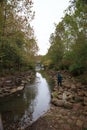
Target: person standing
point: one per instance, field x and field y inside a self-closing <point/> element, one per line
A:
<point x="59" y="78"/>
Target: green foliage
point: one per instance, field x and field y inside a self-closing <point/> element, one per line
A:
<point x="56" y="50"/>
<point x="68" y="44"/>
<point x="76" y="69"/>
<point x="18" y="45"/>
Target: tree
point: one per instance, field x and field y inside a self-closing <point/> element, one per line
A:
<point x="56" y="50"/>
<point x="17" y="41"/>
<point x="76" y="23"/>
<point x="68" y="44"/>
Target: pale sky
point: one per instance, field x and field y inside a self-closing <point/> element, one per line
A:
<point x="47" y="12"/>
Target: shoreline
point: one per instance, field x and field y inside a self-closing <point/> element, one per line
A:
<point x="69" y="115"/>
<point x="12" y="84"/>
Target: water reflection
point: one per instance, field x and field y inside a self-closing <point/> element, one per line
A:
<point x="41" y="102"/>
<point x="22" y="110"/>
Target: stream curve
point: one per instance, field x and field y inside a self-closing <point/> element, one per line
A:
<point x="23" y="109"/>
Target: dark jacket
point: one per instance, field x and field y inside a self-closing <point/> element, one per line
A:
<point x="59" y="77"/>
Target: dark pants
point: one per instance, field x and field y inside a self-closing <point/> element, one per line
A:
<point x="59" y="83"/>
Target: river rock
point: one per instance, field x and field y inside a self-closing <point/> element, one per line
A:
<point x="85" y="93"/>
<point x="60" y="97"/>
<point x="13" y="90"/>
<point x="57" y="102"/>
<point x="79" y="123"/>
<point x="81" y="93"/>
<point x="69" y="97"/>
<point x="12" y="84"/>
<point x="73" y="87"/>
<point x="85" y="125"/>
<point x="20" y="88"/>
<point x="78" y="85"/>
<point x="85" y="101"/>
<point x="79" y="99"/>
<point x="66" y="85"/>
<point x="68" y="105"/>
<point x="77" y="106"/>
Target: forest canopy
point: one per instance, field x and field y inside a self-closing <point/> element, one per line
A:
<point x="18" y="45"/>
<point x="68" y="44"/>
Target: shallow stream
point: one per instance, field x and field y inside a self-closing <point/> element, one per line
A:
<point x="21" y="110"/>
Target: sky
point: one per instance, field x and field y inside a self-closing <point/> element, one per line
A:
<point x="47" y="13"/>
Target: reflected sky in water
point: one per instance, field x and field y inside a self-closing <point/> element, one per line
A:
<point x="41" y="102"/>
<point x="22" y="110"/>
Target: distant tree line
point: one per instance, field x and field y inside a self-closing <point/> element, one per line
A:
<point x="68" y="44"/>
<point x="18" y="45"/>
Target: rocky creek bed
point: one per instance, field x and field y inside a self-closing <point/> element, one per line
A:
<point x="68" y="103"/>
<point x="12" y="84"/>
<point x="68" y="106"/>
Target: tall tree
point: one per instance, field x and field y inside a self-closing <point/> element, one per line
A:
<point x="69" y="41"/>
<point x="16" y="35"/>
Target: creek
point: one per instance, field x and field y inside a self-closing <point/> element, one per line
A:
<point x="21" y="110"/>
